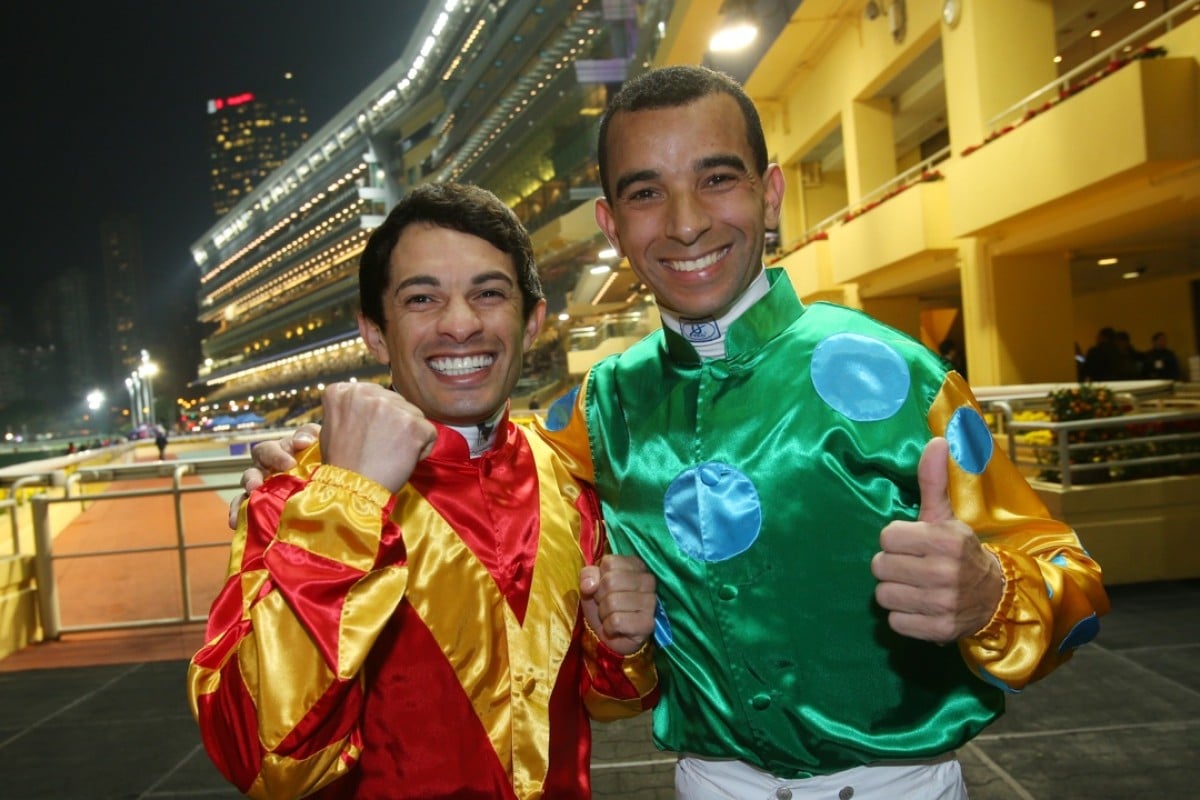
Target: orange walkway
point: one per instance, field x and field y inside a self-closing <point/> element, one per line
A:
<point x="98" y="590"/>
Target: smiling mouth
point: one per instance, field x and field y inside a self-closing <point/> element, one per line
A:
<point x="695" y="264"/>
<point x="461" y="365"/>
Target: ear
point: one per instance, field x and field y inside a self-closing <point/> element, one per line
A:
<point x="608" y="223"/>
<point x="533" y="325"/>
<point x="773" y="186"/>
<point x="374" y="339"/>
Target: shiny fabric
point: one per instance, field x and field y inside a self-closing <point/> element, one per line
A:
<point x="805" y="441"/>
<point x="428" y="644"/>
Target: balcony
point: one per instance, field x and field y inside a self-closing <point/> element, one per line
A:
<point x="1123" y="146"/>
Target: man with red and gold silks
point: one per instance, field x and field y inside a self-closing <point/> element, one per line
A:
<point x="820" y="499"/>
<point x="422" y="607"/>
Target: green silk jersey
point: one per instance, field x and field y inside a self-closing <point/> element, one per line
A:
<point x="755" y="488"/>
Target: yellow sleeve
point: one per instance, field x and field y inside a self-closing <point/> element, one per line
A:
<point x="571" y="441"/>
<point x="277" y="689"/>
<point x="1053" y="591"/>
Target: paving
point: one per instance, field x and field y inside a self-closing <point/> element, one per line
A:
<point x="103" y="714"/>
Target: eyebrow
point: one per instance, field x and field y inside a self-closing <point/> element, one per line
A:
<point x="731" y="160"/>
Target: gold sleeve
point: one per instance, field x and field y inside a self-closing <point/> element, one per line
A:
<point x="1053" y="591"/>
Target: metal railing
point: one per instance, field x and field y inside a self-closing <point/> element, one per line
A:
<point x="1064" y="82"/>
<point x="45" y="557"/>
<point x="1110" y="449"/>
<point x="909" y="176"/>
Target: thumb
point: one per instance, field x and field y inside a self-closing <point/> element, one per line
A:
<point x="589" y="581"/>
<point x="933" y="475"/>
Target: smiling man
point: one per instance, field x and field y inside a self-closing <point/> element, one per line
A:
<point x="820" y="500"/>
<point x="422" y="607"/>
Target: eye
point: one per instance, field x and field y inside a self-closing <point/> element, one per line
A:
<point x="721" y="179"/>
<point x="640" y="195"/>
<point x="415" y="300"/>
<point x="493" y="293"/>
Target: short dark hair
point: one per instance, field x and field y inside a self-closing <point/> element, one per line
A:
<point x="671" y="87"/>
<point x="460" y="207"/>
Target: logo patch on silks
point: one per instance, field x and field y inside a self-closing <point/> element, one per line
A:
<point x="700" y="330"/>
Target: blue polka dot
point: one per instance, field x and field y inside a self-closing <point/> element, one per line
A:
<point x="662" y="627"/>
<point x="861" y="378"/>
<point x="1084" y="631"/>
<point x="971" y="443"/>
<point x="713" y="512"/>
<point x="559" y="413"/>
<point x="994" y="681"/>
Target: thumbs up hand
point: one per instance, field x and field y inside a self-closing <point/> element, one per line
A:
<point x="936" y="580"/>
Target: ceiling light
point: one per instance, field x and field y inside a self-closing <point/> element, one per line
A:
<point x="1105" y="262"/>
<point x="1095" y="34"/>
<point x="608" y="252"/>
<point x="738" y="28"/>
<point x="1139" y="5"/>
<point x="600" y="269"/>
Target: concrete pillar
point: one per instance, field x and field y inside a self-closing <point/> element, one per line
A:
<point x="995" y="53"/>
<point x="1017" y="316"/>
<point x="869" y="143"/>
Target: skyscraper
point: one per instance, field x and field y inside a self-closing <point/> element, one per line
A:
<point x="250" y="135"/>
<point x="121" y="256"/>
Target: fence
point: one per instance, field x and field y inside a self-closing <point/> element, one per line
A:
<point x="46" y="558"/>
<point x="1115" y="448"/>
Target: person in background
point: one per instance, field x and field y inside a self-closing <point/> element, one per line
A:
<point x="948" y="349"/>
<point x="160" y="441"/>
<point x="1128" y="364"/>
<point x="1160" y="361"/>
<point x="1100" y="363"/>
<point x="423" y="607"/>
<point x="851" y="576"/>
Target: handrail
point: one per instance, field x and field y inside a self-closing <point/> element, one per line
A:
<point x="1103" y="57"/>
<point x="1138" y="430"/>
<point x="15" y="485"/>
<point x="48" y="603"/>
<point x="879" y="191"/>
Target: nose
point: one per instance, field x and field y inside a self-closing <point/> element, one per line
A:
<point x="687" y="218"/>
<point x="459" y="320"/>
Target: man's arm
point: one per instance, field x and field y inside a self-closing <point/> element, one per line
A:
<point x="277" y="688"/>
<point x="985" y="565"/>
<point x="317" y="570"/>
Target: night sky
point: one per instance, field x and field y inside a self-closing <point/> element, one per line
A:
<point x="105" y="111"/>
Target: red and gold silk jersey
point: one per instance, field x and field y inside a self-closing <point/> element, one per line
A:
<point x="424" y="644"/>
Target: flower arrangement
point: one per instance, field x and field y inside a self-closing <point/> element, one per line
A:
<point x="1085" y="401"/>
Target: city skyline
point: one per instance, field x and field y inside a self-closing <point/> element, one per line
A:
<point x="112" y="120"/>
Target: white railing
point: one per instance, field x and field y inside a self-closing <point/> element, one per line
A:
<point x="1117" y="448"/>
<point x="45" y="557"/>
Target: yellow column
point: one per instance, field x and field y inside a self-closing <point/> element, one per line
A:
<point x="991" y="58"/>
<point x="870" y="146"/>
<point x="1017" y="317"/>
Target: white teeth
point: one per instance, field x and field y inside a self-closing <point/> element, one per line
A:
<point x="460" y="366"/>
<point x="697" y="263"/>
